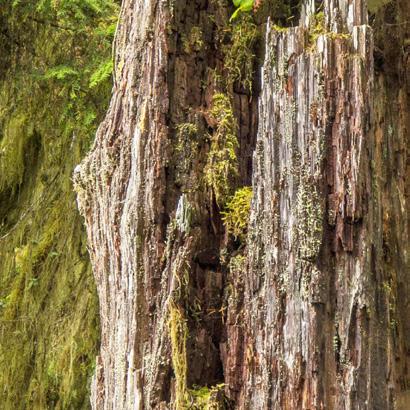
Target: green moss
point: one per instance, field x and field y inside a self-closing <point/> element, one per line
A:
<point x="280" y="29"/>
<point x="205" y="398"/>
<point x="178" y="330"/>
<point x="193" y="42"/>
<point x="318" y="28"/>
<point x="16" y="134"/>
<point x="236" y="213"/>
<point x="52" y="99"/>
<point x="222" y="164"/>
<point x="185" y="153"/>
<point x="240" y="58"/>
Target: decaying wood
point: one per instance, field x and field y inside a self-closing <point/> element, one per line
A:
<point x="316" y="315"/>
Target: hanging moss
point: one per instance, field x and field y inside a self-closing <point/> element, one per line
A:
<point x="222" y="165"/>
<point x="178" y="330"/>
<point x="240" y="58"/>
<point x="318" y="28"/>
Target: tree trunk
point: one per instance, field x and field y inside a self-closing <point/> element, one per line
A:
<point x="309" y="312"/>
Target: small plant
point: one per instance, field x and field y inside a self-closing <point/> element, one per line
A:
<point x="242" y="5"/>
<point x="236" y="213"/>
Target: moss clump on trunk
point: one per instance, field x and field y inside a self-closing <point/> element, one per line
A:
<point x="236" y="213"/>
<point x="222" y="166"/>
<point x="240" y="58"/>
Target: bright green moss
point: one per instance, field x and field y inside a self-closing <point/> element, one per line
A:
<point x="236" y="214"/>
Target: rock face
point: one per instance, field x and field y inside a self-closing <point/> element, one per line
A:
<point x="311" y="311"/>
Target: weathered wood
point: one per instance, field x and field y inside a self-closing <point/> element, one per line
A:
<point x="315" y="315"/>
<point x="323" y="327"/>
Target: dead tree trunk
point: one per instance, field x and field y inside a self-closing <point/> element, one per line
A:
<point x="311" y="311"/>
<point x="327" y="285"/>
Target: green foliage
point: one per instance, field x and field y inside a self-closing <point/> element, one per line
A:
<point x="242" y="6"/>
<point x="51" y="101"/>
<point x="236" y="213"/>
<point x="102" y="73"/>
<point x="60" y="73"/>
<point x="240" y="55"/>
<point x="222" y="164"/>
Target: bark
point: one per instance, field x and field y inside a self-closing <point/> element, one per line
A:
<point x="324" y="294"/>
<point x="312" y="312"/>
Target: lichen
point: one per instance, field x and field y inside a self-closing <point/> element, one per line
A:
<point x="308" y="218"/>
<point x="184" y="214"/>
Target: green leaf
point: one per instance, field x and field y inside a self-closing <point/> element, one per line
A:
<point x="243" y="5"/>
